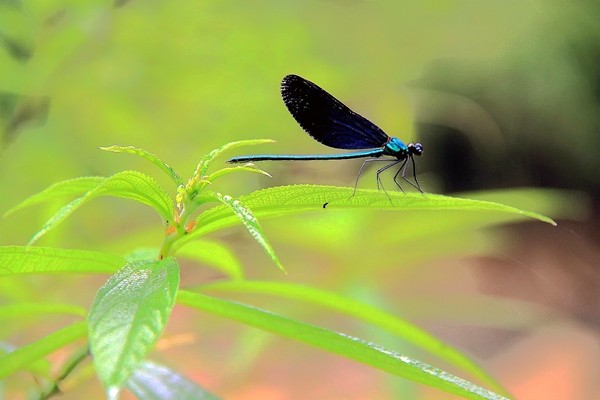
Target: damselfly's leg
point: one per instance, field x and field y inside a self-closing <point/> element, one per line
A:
<point x="380" y="170"/>
<point x="360" y="171"/>
<point x="402" y="169"/>
<point x="380" y="183"/>
<point x="415" y="175"/>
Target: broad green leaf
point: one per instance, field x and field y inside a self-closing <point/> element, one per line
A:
<point x="60" y="190"/>
<point x="37" y="260"/>
<point x="148" y="156"/>
<point x="286" y="200"/>
<point x="347" y="346"/>
<point x="128" y="315"/>
<point x="215" y="255"/>
<point x="251" y="223"/>
<point x="24" y="356"/>
<point x="21" y="310"/>
<point x="139" y="187"/>
<point x="364" y="312"/>
<point x="127" y="184"/>
<point x="152" y="381"/>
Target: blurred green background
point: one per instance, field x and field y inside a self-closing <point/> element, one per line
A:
<point x="500" y="93"/>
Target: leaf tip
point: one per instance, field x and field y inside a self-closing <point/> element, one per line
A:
<point x="33" y="239"/>
<point x="280" y="266"/>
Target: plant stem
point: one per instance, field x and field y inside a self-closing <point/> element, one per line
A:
<point x="68" y="367"/>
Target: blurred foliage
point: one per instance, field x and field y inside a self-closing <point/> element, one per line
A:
<point x="512" y="84"/>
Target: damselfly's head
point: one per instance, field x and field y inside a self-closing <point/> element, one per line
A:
<point x="415" y="149"/>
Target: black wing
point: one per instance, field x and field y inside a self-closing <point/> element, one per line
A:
<point x="326" y="119"/>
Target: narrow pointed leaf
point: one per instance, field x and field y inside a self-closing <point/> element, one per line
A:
<point x="555" y="202"/>
<point x="205" y="162"/>
<point x="127" y="184"/>
<point x="148" y="156"/>
<point x="248" y="168"/>
<point x="365" y="312"/>
<point x="28" y="354"/>
<point x="151" y="381"/>
<point x="59" y="190"/>
<point x="62" y="214"/>
<point x="347" y="346"/>
<point x="36" y="260"/>
<point x="41" y="367"/>
<point x="128" y="315"/>
<point x="251" y="223"/>
<point x="295" y="199"/>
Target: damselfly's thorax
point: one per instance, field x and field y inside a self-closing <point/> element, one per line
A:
<point x="396" y="148"/>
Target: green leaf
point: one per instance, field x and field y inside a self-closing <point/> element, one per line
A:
<point x="205" y="162"/>
<point x="555" y="202"/>
<point x="148" y="156"/>
<point x="128" y="315"/>
<point x="364" y="312"/>
<point x="28" y="354"/>
<point x="251" y="223"/>
<point x="18" y="311"/>
<point x="127" y="184"/>
<point x="287" y="200"/>
<point x="59" y="217"/>
<point x="40" y="368"/>
<point x="199" y="179"/>
<point x="60" y="190"/>
<point x="248" y="168"/>
<point x="35" y="260"/>
<point x="139" y="187"/>
<point x="156" y="382"/>
<point x="347" y="346"/>
<point x="215" y="255"/>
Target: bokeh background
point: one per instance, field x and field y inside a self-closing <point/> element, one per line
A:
<point x="502" y="94"/>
